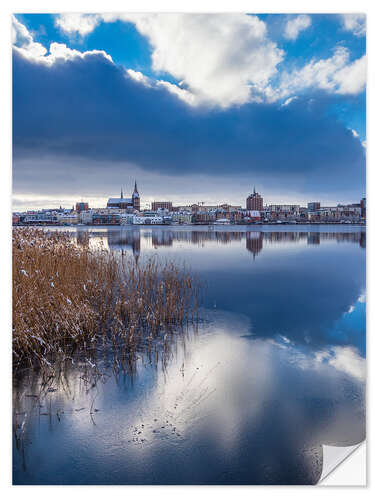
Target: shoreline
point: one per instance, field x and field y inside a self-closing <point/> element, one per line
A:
<point x="261" y="224"/>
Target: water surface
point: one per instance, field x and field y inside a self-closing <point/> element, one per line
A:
<point x="276" y="369"/>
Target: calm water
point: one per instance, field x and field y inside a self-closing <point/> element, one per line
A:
<point x="276" y="370"/>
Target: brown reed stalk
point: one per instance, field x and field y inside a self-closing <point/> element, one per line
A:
<point x="68" y="297"/>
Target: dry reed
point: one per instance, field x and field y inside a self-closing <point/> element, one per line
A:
<point x="69" y="299"/>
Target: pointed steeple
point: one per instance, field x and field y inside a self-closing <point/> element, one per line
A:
<point x="136" y="198"/>
<point x="122" y="194"/>
<point x="254" y="189"/>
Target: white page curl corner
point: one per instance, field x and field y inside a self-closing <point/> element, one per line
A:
<point x="333" y="456"/>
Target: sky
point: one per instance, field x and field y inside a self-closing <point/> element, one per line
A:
<point x="195" y="107"/>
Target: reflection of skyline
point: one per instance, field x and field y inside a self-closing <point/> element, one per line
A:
<point x="122" y="240"/>
<point x="254" y="240"/>
<point x="313" y="239"/>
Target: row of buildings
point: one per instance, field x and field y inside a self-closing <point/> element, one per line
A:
<point x="123" y="211"/>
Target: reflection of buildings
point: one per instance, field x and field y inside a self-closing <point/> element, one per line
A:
<point x="83" y="238"/>
<point x="161" y="238"/>
<point x="362" y="241"/>
<point x="254" y="242"/>
<point x="121" y="240"/>
<point x="313" y="239"/>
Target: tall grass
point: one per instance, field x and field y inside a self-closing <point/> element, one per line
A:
<point x="69" y="299"/>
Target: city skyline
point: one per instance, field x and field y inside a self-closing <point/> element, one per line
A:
<point x="147" y="203"/>
<point x="280" y="103"/>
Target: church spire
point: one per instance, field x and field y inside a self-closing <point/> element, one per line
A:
<point x="136" y="198"/>
<point x="122" y="194"/>
<point x="254" y="189"/>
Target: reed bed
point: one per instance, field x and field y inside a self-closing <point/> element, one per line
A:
<point x="71" y="300"/>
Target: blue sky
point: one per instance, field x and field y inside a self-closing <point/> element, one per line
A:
<point x="197" y="107"/>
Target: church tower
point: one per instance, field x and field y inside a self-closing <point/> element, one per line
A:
<point x="254" y="201"/>
<point x="135" y="198"/>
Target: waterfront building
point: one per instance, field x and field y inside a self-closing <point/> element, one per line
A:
<point x="82" y="206"/>
<point x="182" y="217"/>
<point x="228" y="208"/>
<point x="110" y="219"/>
<point x="183" y="208"/>
<point x="281" y="212"/>
<point x="148" y="219"/>
<point x="39" y="218"/>
<point x="86" y="217"/>
<point x="340" y="213"/>
<point x="313" y="205"/>
<point x="161" y="205"/>
<point x="363" y="208"/>
<point x="284" y="209"/>
<point x="200" y="207"/>
<point x="68" y="219"/>
<point x="126" y="219"/>
<point x="252" y="216"/>
<point x="303" y="213"/>
<point x="254" y="201"/>
<point x="138" y="220"/>
<point x="204" y="217"/>
<point x="121" y="202"/>
<point x="133" y="203"/>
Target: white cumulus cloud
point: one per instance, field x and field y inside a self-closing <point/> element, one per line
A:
<point x="351" y="79"/>
<point x="23" y="42"/>
<point x="139" y="77"/>
<point x="181" y="93"/>
<point x="78" y="23"/>
<point x="296" y="25"/>
<point x="228" y="59"/>
<point x="356" y="23"/>
<point x="222" y="59"/>
<point x="348" y="360"/>
<point x="335" y="74"/>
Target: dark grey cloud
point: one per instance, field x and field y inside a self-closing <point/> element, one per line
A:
<point x="88" y="113"/>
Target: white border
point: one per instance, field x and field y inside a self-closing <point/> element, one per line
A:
<point x="256" y="6"/>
